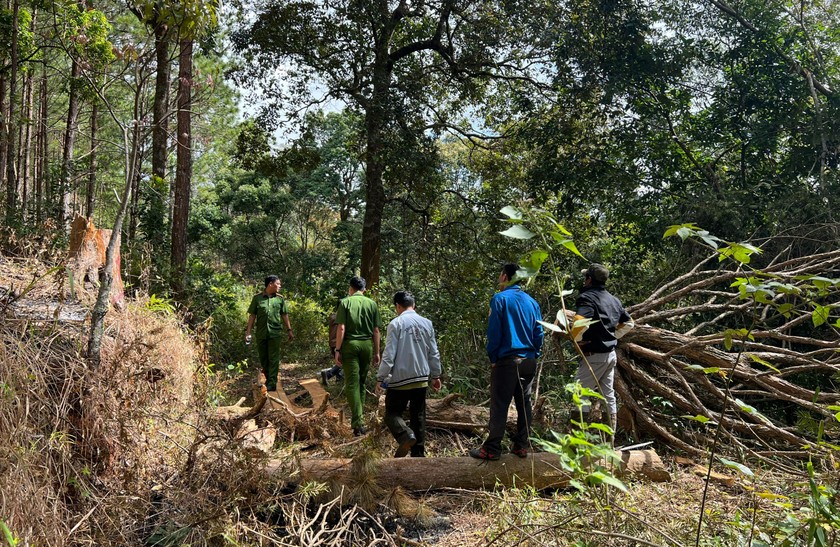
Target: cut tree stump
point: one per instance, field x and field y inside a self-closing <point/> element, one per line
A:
<point x="86" y="256"/>
<point x="540" y="470"/>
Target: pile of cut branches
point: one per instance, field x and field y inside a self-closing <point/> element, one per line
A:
<point x="754" y="350"/>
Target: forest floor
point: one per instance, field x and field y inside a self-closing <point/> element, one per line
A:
<point x="668" y="510"/>
<point x="653" y="513"/>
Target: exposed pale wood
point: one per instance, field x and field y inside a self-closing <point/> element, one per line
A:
<point x="237" y="411"/>
<point x="86" y="256"/>
<point x="540" y="470"/>
<point x="256" y="438"/>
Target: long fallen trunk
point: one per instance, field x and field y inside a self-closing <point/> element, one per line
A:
<point x="540" y="470"/>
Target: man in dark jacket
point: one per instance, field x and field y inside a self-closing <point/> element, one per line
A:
<point x="514" y="341"/>
<point x="608" y="321"/>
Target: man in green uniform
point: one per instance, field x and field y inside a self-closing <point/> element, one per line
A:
<point x="266" y="310"/>
<point x="357" y="345"/>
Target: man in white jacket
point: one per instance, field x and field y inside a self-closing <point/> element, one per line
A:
<point x="410" y="363"/>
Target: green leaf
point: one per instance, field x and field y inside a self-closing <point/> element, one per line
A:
<point x="599" y="477"/>
<point x="601" y="427"/>
<point x="699" y="418"/>
<point x="562" y="230"/>
<point x="745" y="407"/>
<point x="570" y="245"/>
<point x="511" y="212"/>
<point x="551" y="326"/>
<point x="761" y="361"/>
<point x="577" y="484"/>
<point x="681" y="230"/>
<point x="534" y="260"/>
<point x="785" y="308"/>
<point x="704" y="370"/>
<point x="735" y="465"/>
<point x="820" y="314"/>
<point x="7" y="534"/>
<point x="518" y="232"/>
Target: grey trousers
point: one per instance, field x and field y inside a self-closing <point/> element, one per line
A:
<point x="598" y="375"/>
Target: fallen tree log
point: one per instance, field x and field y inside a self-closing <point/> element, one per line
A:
<point x="540" y="470"/>
<point x="753" y="351"/>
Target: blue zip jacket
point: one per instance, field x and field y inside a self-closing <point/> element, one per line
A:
<point x="512" y="329"/>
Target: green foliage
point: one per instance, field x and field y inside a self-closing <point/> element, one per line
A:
<point x="11" y="540"/>
<point x="157" y="304"/>
<point x="583" y="452"/>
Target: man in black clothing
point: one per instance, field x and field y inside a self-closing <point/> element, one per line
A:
<point x="597" y="341"/>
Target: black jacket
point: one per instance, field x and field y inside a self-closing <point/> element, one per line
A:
<point x="596" y="303"/>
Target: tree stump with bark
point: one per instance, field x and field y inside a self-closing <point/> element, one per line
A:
<point x="86" y="256"/>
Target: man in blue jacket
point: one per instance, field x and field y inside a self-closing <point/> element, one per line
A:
<point x="514" y="341"/>
<point x="410" y="362"/>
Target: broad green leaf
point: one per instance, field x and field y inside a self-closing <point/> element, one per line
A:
<point x="709" y="239"/>
<point x="820" y="314"/>
<point x="518" y="231"/>
<point x="681" y="230"/>
<point x="586" y="392"/>
<point x="785" y="308"/>
<point x="599" y="477"/>
<point x="534" y="260"/>
<point x="511" y="212"/>
<point x="577" y="484"/>
<point x="570" y="245"/>
<point x="735" y="465"/>
<point x="550" y="326"/>
<point x="761" y="361"/>
<point x="601" y="427"/>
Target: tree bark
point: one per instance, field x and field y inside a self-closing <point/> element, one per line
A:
<point x="11" y="148"/>
<point x="160" y="116"/>
<point x="183" y="174"/>
<point x="73" y="102"/>
<point x="42" y="147"/>
<point x="540" y="470"/>
<point x="90" y="194"/>
<point x="26" y="147"/>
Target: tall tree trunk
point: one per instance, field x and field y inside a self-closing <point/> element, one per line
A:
<point x="160" y="116"/>
<point x="183" y="172"/>
<point x="375" y="119"/>
<point x="91" y="184"/>
<point x="41" y="177"/>
<point x="3" y="119"/>
<point x="11" y="150"/>
<point x="73" y="102"/>
<point x="26" y="147"/>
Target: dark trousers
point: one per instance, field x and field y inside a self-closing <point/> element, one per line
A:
<point x="396" y="401"/>
<point x="510" y="378"/>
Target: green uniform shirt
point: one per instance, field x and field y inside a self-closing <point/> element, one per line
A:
<point x="269" y="311"/>
<point x="359" y="315"/>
